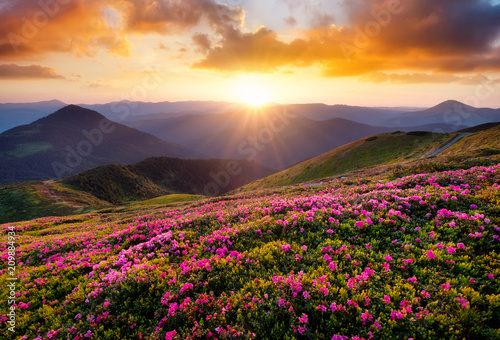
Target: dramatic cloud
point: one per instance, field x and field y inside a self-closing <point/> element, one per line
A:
<point x="383" y="35"/>
<point x="12" y="71"/>
<point x="83" y="27"/>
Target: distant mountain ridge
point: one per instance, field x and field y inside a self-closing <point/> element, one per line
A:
<point x="450" y="112"/>
<point x="15" y="114"/>
<point x="74" y="139"/>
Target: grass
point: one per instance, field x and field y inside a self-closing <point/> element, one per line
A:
<point x="484" y="143"/>
<point x="26" y="201"/>
<point x="28" y="149"/>
<point x="169" y="199"/>
<point x="386" y="148"/>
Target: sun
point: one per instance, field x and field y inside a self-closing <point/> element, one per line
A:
<point x="253" y="93"/>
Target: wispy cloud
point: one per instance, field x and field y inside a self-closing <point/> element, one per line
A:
<point x="13" y="71"/>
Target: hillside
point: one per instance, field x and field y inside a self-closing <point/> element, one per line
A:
<point x="486" y="142"/>
<point x="161" y="178"/>
<point x="74" y="139"/>
<point x="379" y="149"/>
<point x="415" y="257"/>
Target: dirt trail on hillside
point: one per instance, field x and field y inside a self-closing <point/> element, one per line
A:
<point x="459" y="136"/>
<point x="46" y="191"/>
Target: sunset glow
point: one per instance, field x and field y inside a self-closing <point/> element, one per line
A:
<point x="253" y="94"/>
<point x="381" y="53"/>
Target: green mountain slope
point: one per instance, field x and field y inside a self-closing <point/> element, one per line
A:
<point x="379" y="149"/>
<point x="483" y="143"/>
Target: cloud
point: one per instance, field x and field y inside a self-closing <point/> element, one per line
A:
<point x="423" y="36"/>
<point x="423" y="78"/>
<point x="28" y="28"/>
<point x="84" y="27"/>
<point x="202" y="41"/>
<point x="291" y="21"/>
<point x="16" y="72"/>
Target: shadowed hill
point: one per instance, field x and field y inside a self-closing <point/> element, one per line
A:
<point x="158" y="176"/>
<point x="74" y="139"/>
<point x="169" y="179"/>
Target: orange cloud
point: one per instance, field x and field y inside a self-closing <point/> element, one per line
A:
<point x="383" y="35"/>
<point x="28" y="28"/>
<point x="82" y="27"/>
<point x="420" y="78"/>
<point x="16" y="72"/>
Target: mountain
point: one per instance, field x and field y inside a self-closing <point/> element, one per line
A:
<point x="391" y="152"/>
<point x="359" y="114"/>
<point x="450" y="112"/>
<point x="274" y="136"/>
<point x="161" y="176"/>
<point x="121" y="111"/>
<point x="74" y="139"/>
<point x="165" y="180"/>
<point x="375" y="150"/>
<point x="13" y="114"/>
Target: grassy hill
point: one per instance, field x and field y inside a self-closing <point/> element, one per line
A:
<point x="483" y="143"/>
<point x="385" y="148"/>
<point x="114" y="185"/>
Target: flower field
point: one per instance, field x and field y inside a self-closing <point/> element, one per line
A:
<point x="413" y="258"/>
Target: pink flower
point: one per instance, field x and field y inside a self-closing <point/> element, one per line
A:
<point x="303" y="319"/>
<point x="388" y="258"/>
<point x="366" y="316"/>
<point x="330" y="231"/>
<point x="425" y="294"/>
<point x="412" y="279"/>
<point x="286" y="247"/>
<point x="451" y="250"/>
<point x="387" y="299"/>
<point x="359" y="224"/>
<point x="491" y="276"/>
<point x="430" y="254"/>
<point x="323" y="308"/>
<point x="445" y="286"/>
<point x="106" y="303"/>
<point x="170" y="335"/>
<point x="461" y="246"/>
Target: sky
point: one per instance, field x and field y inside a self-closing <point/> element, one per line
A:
<point x="354" y="52"/>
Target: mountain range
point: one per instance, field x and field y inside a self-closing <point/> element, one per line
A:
<point x="449" y="113"/>
<point x="74" y="139"/>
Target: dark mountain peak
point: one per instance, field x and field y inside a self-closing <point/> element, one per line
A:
<point x="451" y="106"/>
<point x="73" y="115"/>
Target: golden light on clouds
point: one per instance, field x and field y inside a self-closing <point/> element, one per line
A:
<point x="349" y="46"/>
